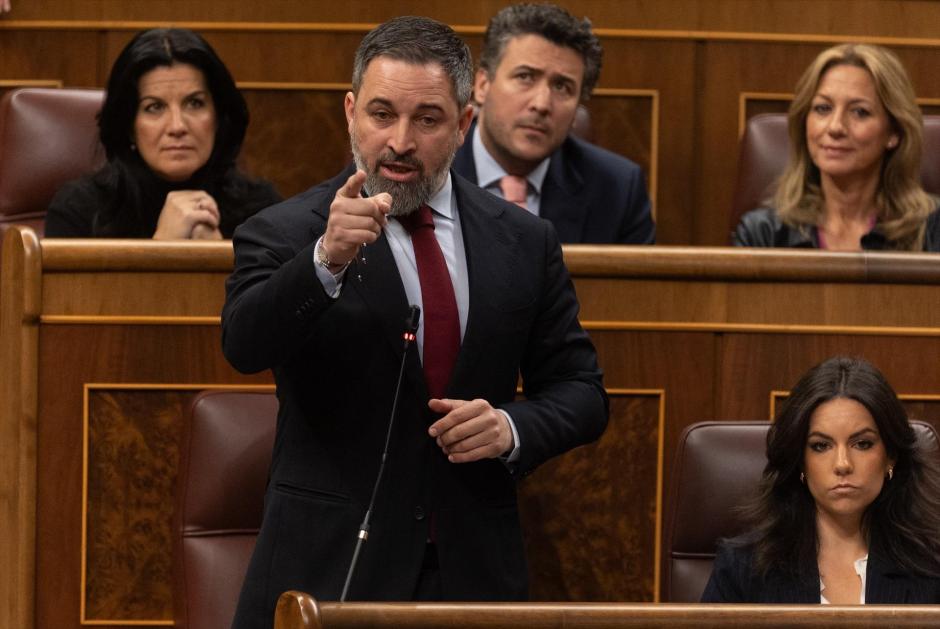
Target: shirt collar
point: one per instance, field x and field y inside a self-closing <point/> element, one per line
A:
<point x="442" y="201"/>
<point x="489" y="172"/>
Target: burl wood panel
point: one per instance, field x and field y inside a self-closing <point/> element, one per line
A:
<point x="133" y="457"/>
<point x="669" y="68"/>
<point x="589" y="516"/>
<point x="297" y="138"/>
<point x="624" y="124"/>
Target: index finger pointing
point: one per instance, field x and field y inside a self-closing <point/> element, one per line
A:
<point x="353" y="186"/>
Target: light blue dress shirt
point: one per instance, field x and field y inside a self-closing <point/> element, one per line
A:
<point x="489" y="173"/>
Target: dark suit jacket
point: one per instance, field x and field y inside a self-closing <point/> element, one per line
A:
<point x="733" y="581"/>
<point x="589" y="194"/>
<point x="336" y="362"/>
<point x="763" y="228"/>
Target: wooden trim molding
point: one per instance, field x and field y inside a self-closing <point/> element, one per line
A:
<point x="750" y="263"/>
<point x="16" y="83"/>
<point x="467" y="29"/>
<point x="744" y="97"/>
<point x="20" y="279"/>
<point x="653" y="95"/>
<point x="904" y="397"/>
<point x="127" y="320"/>
<point x="107" y="254"/>
<point x="758" y="328"/>
<point x="296" y="610"/>
<point x="291" y="86"/>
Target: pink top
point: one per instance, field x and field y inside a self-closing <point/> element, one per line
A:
<point x="821" y="233"/>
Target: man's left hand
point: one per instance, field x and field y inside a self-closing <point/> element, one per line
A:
<point x="470" y="430"/>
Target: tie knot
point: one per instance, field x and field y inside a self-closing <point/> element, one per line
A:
<point x="417" y="219"/>
<point x="515" y="189"/>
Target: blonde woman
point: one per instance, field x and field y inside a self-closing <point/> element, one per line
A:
<point x="853" y="177"/>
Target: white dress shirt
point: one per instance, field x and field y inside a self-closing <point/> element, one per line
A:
<point x="450" y="238"/>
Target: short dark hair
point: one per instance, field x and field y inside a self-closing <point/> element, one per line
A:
<point x="905" y="516"/>
<point x="418" y="40"/>
<point x="164" y="47"/>
<point x="551" y="22"/>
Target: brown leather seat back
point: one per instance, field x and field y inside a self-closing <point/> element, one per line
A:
<point x="764" y="150"/>
<point x="717" y="468"/>
<point x="225" y="454"/>
<point x="718" y="465"/>
<point x="47" y="137"/>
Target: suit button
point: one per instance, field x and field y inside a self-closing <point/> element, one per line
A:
<point x="419" y="513"/>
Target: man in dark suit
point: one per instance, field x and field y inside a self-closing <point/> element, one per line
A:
<point x="538" y="63"/>
<point x="321" y="286"/>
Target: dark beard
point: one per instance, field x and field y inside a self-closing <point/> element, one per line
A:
<point x="406" y="197"/>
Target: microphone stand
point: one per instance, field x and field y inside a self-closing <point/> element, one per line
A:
<point x="411" y="327"/>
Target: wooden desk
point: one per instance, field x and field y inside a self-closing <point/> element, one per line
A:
<point x="301" y="611"/>
<point x="102" y="344"/>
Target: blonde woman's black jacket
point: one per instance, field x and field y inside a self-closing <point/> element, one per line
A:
<point x="763" y="228"/>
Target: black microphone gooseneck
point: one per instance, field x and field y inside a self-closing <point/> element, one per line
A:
<point x="411" y="327"/>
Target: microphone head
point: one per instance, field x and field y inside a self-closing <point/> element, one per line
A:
<point x="413" y="318"/>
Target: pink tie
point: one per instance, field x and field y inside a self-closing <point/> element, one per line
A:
<point x="439" y="306"/>
<point x="514" y="189"/>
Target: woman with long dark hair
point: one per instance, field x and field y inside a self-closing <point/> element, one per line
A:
<point x="848" y="509"/>
<point x="172" y="126"/>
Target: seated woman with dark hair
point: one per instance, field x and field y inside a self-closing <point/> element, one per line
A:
<point x="852" y="180"/>
<point x="848" y="509"/>
<point x="172" y="126"/>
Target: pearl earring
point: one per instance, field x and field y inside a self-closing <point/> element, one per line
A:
<point x="890" y="473"/>
<point x="802" y="478"/>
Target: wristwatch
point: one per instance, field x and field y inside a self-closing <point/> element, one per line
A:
<point x="319" y="255"/>
<point x="323" y="260"/>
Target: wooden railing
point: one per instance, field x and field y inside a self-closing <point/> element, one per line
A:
<point x="296" y="610"/>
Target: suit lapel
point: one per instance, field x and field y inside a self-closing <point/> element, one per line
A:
<point x="561" y="201"/>
<point x="490" y="249"/>
<point x="373" y="277"/>
<point x="379" y="285"/>
<point x="887" y="584"/>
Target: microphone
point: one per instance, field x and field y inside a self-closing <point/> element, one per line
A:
<point x="411" y="327"/>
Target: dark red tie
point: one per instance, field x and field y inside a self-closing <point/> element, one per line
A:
<point x="439" y="307"/>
